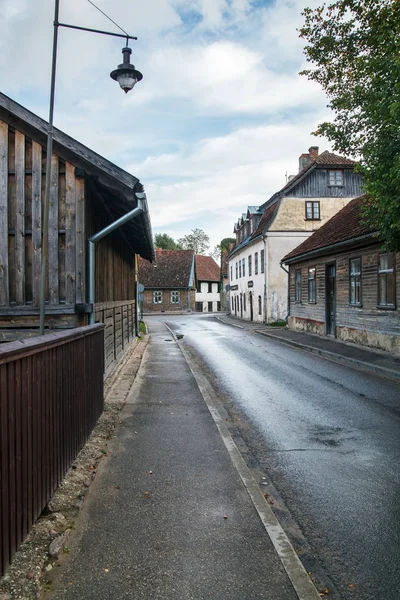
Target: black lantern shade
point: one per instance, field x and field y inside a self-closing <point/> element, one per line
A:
<point x="126" y="74"/>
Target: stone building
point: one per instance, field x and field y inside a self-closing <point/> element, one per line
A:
<point x="324" y="184"/>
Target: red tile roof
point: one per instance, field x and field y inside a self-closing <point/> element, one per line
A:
<point x="206" y="268"/>
<point x="346" y="225"/>
<point x="173" y="269"/>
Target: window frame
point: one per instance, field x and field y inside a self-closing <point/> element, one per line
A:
<point x="255" y="263"/>
<point x="335" y="173"/>
<point x="244" y="267"/>
<point x="236" y="268"/>
<point x="178" y="296"/>
<point x="262" y="261"/>
<point x="157" y="293"/>
<point x="354" y="276"/>
<point x="250" y="264"/>
<point x="313" y="204"/>
<point x="312" y="297"/>
<point x="386" y="272"/>
<point x="240" y="269"/>
<point x="297" y="286"/>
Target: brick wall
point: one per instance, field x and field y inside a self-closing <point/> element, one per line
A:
<point x="186" y="301"/>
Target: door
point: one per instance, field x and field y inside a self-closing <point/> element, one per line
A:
<point x="330" y="279"/>
<point x="251" y="305"/>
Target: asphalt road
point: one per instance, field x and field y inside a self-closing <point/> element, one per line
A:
<point x="328" y="439"/>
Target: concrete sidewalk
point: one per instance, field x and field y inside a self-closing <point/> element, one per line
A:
<point x="372" y="361"/>
<point x="168" y="516"/>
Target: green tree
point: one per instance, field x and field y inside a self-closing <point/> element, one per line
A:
<point x="354" y="48"/>
<point x="165" y="242"/>
<point x="197" y="240"/>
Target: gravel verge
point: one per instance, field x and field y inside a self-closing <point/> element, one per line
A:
<point x="28" y="576"/>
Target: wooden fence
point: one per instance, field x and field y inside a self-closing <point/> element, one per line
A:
<point x="51" y="395"/>
<point x="120" y="329"/>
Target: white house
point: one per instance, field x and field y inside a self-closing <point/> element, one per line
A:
<point x="208" y="275"/>
<point x="258" y="283"/>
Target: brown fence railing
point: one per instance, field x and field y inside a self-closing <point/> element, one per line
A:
<point x="51" y="395"/>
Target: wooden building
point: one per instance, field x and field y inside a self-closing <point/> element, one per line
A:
<point x="87" y="193"/>
<point x="343" y="284"/>
<point x="169" y="283"/>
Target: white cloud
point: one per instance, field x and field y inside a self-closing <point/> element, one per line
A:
<point x="218" y="119"/>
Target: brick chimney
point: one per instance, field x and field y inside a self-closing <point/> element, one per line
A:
<point x="306" y="158"/>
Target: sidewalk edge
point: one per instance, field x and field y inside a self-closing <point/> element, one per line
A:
<point x="351" y="362"/>
<point x="294" y="568"/>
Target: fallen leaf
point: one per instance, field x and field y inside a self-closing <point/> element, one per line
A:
<point x="351" y="586"/>
<point x="29" y="575"/>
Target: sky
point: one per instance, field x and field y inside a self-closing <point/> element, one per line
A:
<point x="219" y="119"/>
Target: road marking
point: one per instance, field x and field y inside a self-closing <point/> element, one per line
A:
<point x="297" y="574"/>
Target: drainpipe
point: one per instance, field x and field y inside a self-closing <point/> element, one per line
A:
<point x="266" y="262"/>
<point x="99" y="236"/>
<point x="288" y="292"/>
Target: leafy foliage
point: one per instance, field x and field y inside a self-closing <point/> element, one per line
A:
<point x="165" y="242"/>
<point x="354" y="48"/>
<point x="197" y="240"/>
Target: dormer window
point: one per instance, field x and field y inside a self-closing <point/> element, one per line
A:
<point x="336" y="177"/>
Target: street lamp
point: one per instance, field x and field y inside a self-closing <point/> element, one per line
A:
<point x="127" y="77"/>
<point x="126" y="74"/>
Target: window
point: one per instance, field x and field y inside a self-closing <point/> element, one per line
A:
<point x="210" y="287"/>
<point x="297" y="286"/>
<point x="259" y="305"/>
<point x="198" y="286"/>
<point x="244" y="267"/>
<point x="240" y="268"/>
<point x="312" y="211"/>
<point x="231" y="273"/>
<point x="256" y="263"/>
<point x="386" y="284"/>
<point x="157" y="297"/>
<point x="236" y="265"/>
<point x="175" y="297"/>
<point x="262" y="260"/>
<point x="335" y="177"/>
<point x="233" y="306"/>
<point x="250" y="265"/>
<point x="311" y="285"/>
<point x="244" y="302"/>
<point x="355" y="281"/>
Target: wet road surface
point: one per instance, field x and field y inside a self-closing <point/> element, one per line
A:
<point x="329" y="439"/>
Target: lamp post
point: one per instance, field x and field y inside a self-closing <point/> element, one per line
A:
<point x="127" y="77"/>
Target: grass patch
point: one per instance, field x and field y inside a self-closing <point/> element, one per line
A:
<point x="142" y="328"/>
<point x="277" y="324"/>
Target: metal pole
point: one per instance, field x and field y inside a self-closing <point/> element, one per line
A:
<point x="49" y="152"/>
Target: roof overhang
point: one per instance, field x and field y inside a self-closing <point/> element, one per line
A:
<point x="116" y="186"/>
<point x="359" y="242"/>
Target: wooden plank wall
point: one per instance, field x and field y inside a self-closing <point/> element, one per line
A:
<point x="22" y="183"/>
<point x="119" y="322"/>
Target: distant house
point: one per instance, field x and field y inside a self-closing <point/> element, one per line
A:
<point x="324" y="184"/>
<point x="344" y="285"/>
<point x="169" y="283"/>
<point x="88" y="193"/>
<point x="208" y="274"/>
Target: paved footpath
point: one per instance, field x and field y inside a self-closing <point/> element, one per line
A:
<point x="168" y="516"/>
